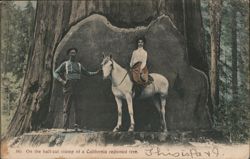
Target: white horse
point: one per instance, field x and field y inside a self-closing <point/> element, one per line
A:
<point x="122" y="89"/>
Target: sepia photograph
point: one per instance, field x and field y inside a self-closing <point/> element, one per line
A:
<point x="125" y="79"/>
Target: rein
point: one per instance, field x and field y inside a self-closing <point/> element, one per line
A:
<point x="123" y="77"/>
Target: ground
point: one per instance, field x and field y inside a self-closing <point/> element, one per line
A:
<point x="55" y="143"/>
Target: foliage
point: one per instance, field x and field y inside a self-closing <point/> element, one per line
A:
<point x="10" y="90"/>
<point x="16" y="36"/>
<point x="231" y="117"/>
<point x="16" y="28"/>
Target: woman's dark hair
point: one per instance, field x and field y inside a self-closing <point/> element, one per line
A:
<point x="141" y="38"/>
<point x="73" y="48"/>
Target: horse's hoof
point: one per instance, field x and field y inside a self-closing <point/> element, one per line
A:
<point x="116" y="129"/>
<point x="131" y="129"/>
<point x="165" y="131"/>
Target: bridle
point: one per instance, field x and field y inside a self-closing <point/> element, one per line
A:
<point x="112" y="68"/>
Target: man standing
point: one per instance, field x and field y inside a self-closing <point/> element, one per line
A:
<point x="69" y="74"/>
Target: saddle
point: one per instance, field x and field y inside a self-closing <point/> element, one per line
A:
<point x="140" y="79"/>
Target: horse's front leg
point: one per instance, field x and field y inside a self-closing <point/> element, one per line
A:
<point x="119" y="109"/>
<point x="131" y="112"/>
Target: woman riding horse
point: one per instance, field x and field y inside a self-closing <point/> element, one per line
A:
<point x="138" y="64"/>
<point x="122" y="89"/>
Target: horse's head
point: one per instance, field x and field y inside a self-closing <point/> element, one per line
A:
<point x="107" y="65"/>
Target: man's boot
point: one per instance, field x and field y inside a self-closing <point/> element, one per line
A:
<point x="76" y="127"/>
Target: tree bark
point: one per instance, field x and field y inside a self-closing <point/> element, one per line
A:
<point x="234" y="56"/>
<point x="215" y="25"/>
<point x="53" y="20"/>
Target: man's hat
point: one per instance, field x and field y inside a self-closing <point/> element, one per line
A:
<point x="73" y="48"/>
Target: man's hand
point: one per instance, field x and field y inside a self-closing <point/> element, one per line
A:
<point x="94" y="73"/>
<point x="99" y="71"/>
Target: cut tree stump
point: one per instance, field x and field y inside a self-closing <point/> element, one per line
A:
<point x="58" y="137"/>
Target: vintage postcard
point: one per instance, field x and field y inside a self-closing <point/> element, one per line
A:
<point x="125" y="79"/>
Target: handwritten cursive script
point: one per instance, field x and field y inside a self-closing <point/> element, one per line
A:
<point x="189" y="152"/>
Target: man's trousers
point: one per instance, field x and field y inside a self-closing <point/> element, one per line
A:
<point x="71" y="97"/>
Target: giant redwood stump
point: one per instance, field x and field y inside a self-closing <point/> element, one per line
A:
<point x="167" y="55"/>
